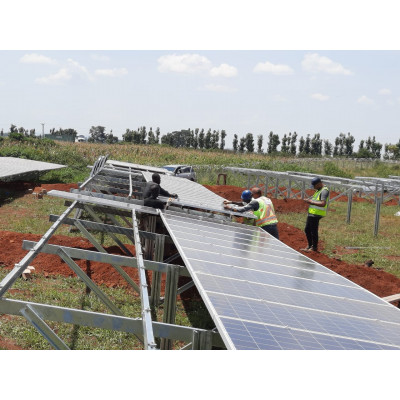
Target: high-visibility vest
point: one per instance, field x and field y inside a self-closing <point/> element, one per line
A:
<point x="317" y="210"/>
<point x="265" y="213"/>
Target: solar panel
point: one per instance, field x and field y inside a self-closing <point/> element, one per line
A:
<point x="139" y="167"/>
<point x="192" y="194"/>
<point x="12" y="168"/>
<point x="262" y="294"/>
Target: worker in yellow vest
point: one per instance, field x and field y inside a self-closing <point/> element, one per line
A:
<point x="261" y="207"/>
<point x="318" y="206"/>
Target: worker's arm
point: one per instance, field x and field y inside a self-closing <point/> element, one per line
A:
<point x="252" y="206"/>
<point x="319" y="203"/>
<point x="163" y="192"/>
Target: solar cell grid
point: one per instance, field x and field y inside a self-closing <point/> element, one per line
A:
<point x="258" y="304"/>
<point x="260" y="275"/>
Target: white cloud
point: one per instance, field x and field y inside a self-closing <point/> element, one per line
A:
<point x="72" y="70"/>
<point x="219" y="88"/>
<point x="224" y="70"/>
<point x="317" y="63"/>
<point x="186" y="63"/>
<point x="364" y="100"/>
<point x="319" y="96"/>
<point x="385" y="92"/>
<point x="34" y="58"/>
<point x="114" y="72"/>
<point x="277" y="69"/>
<point x="59" y="77"/>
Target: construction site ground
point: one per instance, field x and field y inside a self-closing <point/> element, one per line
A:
<point x="378" y="282"/>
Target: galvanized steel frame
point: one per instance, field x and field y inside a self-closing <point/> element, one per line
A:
<point x="36" y="313"/>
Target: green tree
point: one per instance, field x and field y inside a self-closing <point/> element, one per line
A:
<point x="316" y="145"/>
<point x="207" y="140"/>
<point x="328" y="148"/>
<point x="223" y="136"/>
<point x="301" y="145"/>
<point x="235" y="143"/>
<point x="349" y="144"/>
<point x="249" y="143"/>
<point x="97" y="134"/>
<point x="293" y="143"/>
<point x="151" y="137"/>
<point x="285" y="148"/>
<point x="260" y="144"/>
<point x="307" y="145"/>
<point x="201" y="139"/>
<point x="242" y="144"/>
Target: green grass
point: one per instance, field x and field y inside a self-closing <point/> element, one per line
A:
<point x="384" y="249"/>
<point x="77" y="156"/>
<point x="70" y="292"/>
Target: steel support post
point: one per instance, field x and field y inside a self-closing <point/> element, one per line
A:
<point x="37" y="322"/>
<point x="248" y="181"/>
<point x="156" y="276"/>
<point x="202" y="340"/>
<point x="303" y="190"/>
<point x="266" y="186"/>
<point x="148" y="335"/>
<point x="349" y="205"/>
<point x="377" y="214"/>
<point x="276" y="187"/>
<point x="289" y="189"/>
<point x="171" y="288"/>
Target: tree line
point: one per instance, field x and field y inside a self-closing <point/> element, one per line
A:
<point x="290" y="144"/>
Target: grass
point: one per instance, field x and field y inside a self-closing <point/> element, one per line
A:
<point x="71" y="292"/>
<point x="384" y="249"/>
<point x="77" y="156"/>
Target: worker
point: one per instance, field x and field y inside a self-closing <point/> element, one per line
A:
<point x="162" y="192"/>
<point x="317" y="209"/>
<point x="261" y="207"/>
<point x="152" y="190"/>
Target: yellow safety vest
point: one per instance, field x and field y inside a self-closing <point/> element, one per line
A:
<point x="317" y="210"/>
<point x="265" y="213"/>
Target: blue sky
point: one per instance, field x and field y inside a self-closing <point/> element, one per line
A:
<point x="324" y="92"/>
<point x="267" y="66"/>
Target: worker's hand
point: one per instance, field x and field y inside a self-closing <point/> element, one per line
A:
<point x="174" y="195"/>
<point x="226" y="202"/>
<point x="228" y="207"/>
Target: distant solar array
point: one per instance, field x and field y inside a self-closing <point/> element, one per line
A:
<point x="12" y="168"/>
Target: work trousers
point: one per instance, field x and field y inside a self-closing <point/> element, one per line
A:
<point x="272" y="230"/>
<point x="311" y="231"/>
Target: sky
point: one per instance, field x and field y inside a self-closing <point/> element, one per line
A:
<point x="240" y="91"/>
<point x="307" y="67"/>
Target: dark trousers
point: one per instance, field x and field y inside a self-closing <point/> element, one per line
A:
<point x="272" y="230"/>
<point x="311" y="231"/>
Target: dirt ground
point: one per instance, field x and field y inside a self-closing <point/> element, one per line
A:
<point x="378" y="282"/>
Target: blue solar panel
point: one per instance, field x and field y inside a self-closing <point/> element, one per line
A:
<point x="264" y="295"/>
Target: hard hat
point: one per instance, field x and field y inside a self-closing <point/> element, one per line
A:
<point x="315" y="181"/>
<point x="246" y="195"/>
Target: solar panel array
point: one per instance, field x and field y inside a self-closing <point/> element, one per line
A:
<point x="191" y="193"/>
<point x="262" y="294"/>
<point x="138" y="167"/>
<point x="13" y="168"/>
